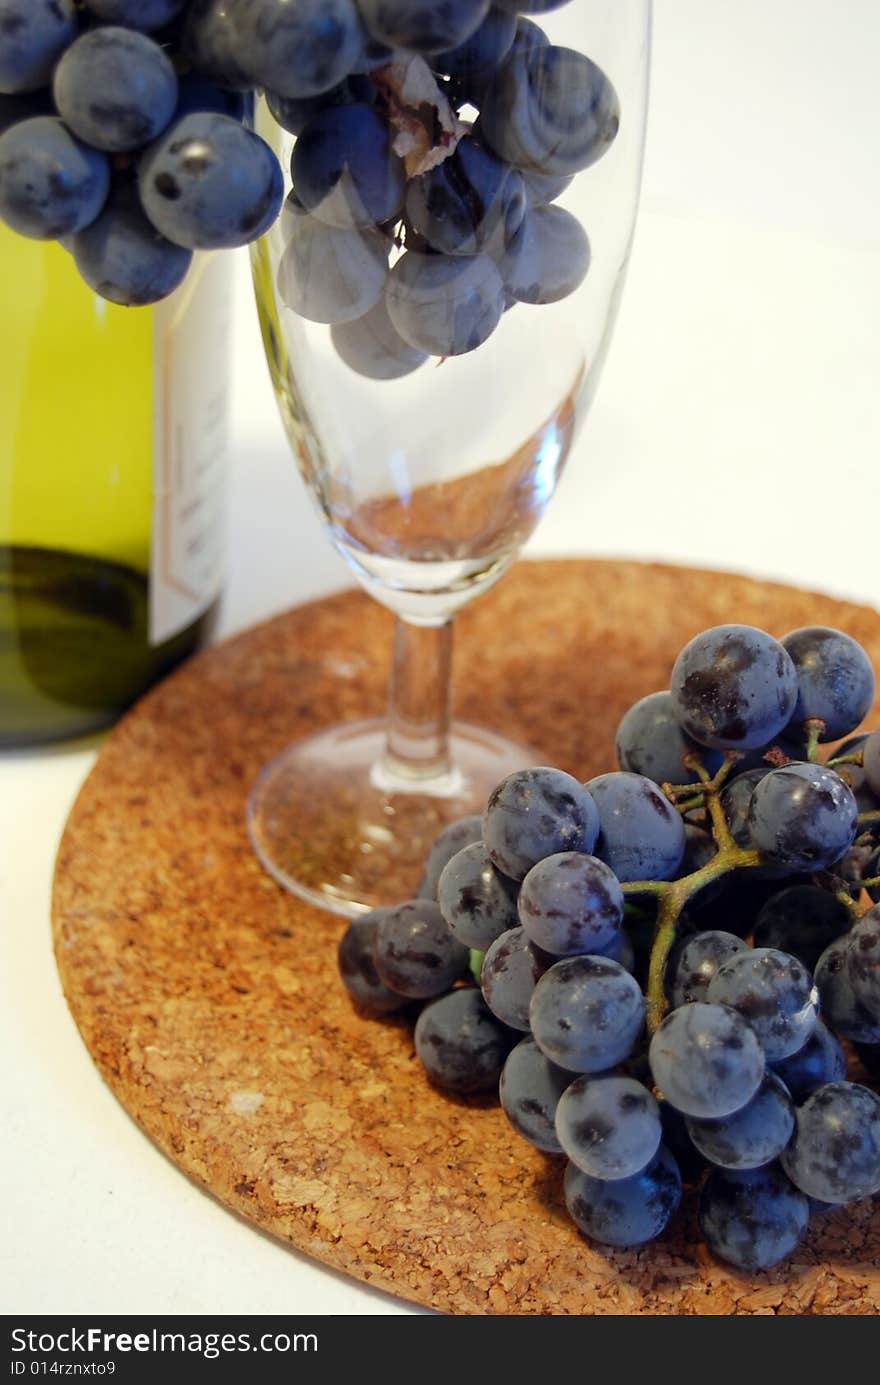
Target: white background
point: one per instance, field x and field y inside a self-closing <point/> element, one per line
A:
<point x="737" y="426"/>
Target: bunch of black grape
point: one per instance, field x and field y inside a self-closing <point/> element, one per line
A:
<point x="411" y="228"/>
<point x="671" y="958"/>
<point x="123" y="137"/>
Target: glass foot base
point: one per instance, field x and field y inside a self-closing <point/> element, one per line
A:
<point x="337" y="828"/>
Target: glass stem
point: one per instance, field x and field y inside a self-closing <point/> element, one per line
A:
<point x="420" y="701"/>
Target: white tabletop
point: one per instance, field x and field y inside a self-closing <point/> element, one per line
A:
<point x="737" y="426"/>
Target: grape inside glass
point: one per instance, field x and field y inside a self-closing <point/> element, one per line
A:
<point x="436" y="302"/>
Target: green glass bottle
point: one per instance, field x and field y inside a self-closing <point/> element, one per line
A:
<point x="112" y="461"/>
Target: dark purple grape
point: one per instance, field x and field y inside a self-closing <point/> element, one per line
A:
<point x="529" y="1090"/>
<point x="50" y="183"/>
<point x="535" y="813"/>
<point x="774" y="992"/>
<point x="512" y="967"/>
<point x="123" y="257"/>
<point x="547" y="258"/>
<point x="33" y="35"/>
<point x="835" y="679"/>
<point x="571" y="904"/>
<point x="345" y="171"/>
<point x="550" y="109"/>
<point x="820" y="1060"/>
<point x="803" y="817"/>
<point x="733" y="687"/>
<point x="629" y="1211"/>
<point x="294" y="113"/>
<point x="527" y="36"/>
<point x="677" y="1140"/>
<point x="487" y="46"/>
<point x="445" y="305"/>
<point x="210" y="183"/>
<point x="752" y="1136"/>
<point x="699" y="850"/>
<point x="456" y="835"/>
<point x="210" y="41"/>
<point x="298" y="49"/>
<point x="650" y="742"/>
<point x="462" y="203"/>
<point x="460" y="1043"/>
<point x="476" y="900"/>
<point x="694" y="961"/>
<point x="115" y="88"/>
<point x="608" y="1126"/>
<point x="357" y="965"/>
<point x="587" y="1013"/>
<point x="802" y="920"/>
<point x="752" y="1218"/>
<point x="373" y="347"/>
<point x="863" y="962"/>
<point x="842" y="1009"/>
<point x="415" y="953"/>
<point x="330" y="275"/>
<point x="706" y="1060"/>
<point x="736" y="798"/>
<point x="641" y="835"/>
<point x="835" y="1152"/>
<point x="425" y="25"/>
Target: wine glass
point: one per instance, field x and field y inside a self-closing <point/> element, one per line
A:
<point x="431" y="409"/>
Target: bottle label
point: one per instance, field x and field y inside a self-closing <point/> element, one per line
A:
<point x="190" y="346"/>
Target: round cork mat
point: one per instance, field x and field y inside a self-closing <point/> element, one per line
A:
<point x="209" y="1001"/>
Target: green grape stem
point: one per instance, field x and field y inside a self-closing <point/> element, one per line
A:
<point x="870" y="819"/>
<point x="814" y="727"/>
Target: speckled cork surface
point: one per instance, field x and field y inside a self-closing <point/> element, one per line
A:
<point x="209" y="1001"/>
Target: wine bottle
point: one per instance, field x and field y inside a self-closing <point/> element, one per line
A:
<point x="112" y="460"/>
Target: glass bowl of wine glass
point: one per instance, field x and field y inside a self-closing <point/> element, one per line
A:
<point x="436" y="301"/>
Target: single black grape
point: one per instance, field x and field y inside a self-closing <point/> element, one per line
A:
<point x="483" y="51"/>
<point x="835" y="679"/>
<point x="550" y="109"/>
<point x="33" y="35"/>
<point x="445" y="305"/>
<point x="50" y="183"/>
<point x="834" y="1154"/>
<point x="641" y="835"/>
<point x="752" y="1218"/>
<point x="297" y="49"/>
<point x="650" y="741"/>
<point x="841" y="1007"/>
<point x="512" y="968"/>
<point x="373" y="347"/>
<point x="330" y="275"/>
<point x="693" y="962"/>
<point x="535" y="813"/>
<point x="802" y="920"/>
<point x="571" y="904"/>
<point x="357" y="965"/>
<point x="476" y="900"/>
<point x="115" y="88"/>
<point x="344" y="169"/>
<point x="447" y="844"/>
<point x="123" y="257"/>
<point x="529" y="1091"/>
<point x="863" y="962"/>
<point x="706" y="1060"/>
<point x="774" y="992"/>
<point x="210" y="41"/>
<point x="608" y="1126"/>
<point x="459" y="206"/>
<point x="210" y="183"/>
<point x="415" y="953"/>
<point x="752" y="1136"/>
<point x="733" y="688"/>
<point x="820" y="1060"/>
<point x="803" y="817"/>
<point x="587" y="1013"/>
<point x="628" y="1211"/>
<point x="460" y="1043"/>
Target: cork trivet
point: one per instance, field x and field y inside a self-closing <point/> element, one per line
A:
<point x="208" y="997"/>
